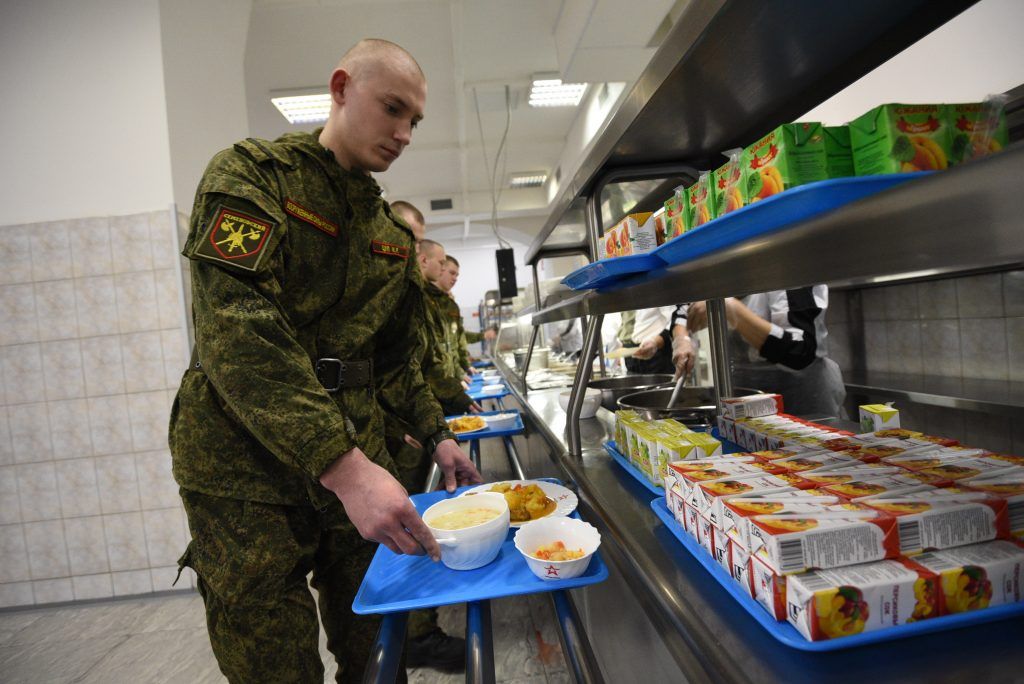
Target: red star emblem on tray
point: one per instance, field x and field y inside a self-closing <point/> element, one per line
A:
<point x="552" y="571"/>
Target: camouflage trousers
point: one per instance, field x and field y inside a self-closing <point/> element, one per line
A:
<point x="252" y="560"/>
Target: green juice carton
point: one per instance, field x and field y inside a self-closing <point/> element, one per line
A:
<point x="674" y="210"/>
<point x="791" y="155"/>
<point x="700" y="202"/>
<point x="838" y="153"/>
<point x="901" y="138"/>
<point x="977" y="129"/>
<point x="728" y="184"/>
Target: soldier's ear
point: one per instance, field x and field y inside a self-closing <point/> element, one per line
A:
<point x="339" y="82"/>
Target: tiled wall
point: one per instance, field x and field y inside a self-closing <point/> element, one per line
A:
<point x="92" y="348"/>
<point x="969" y="327"/>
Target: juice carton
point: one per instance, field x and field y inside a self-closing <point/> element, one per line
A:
<point x="828" y="604"/>
<point x="727" y="428"/>
<point x="675" y="208"/>
<point x="857" y="490"/>
<point x="720" y="549"/>
<point x="838" y="153"/>
<point x="874" y="417"/>
<point x="977" y="576"/>
<point x="866" y="471"/>
<point x="739" y="558"/>
<point x="737" y="511"/>
<point x="977" y="129"/>
<point x="1008" y="486"/>
<point x="727" y="180"/>
<point x="769" y="587"/>
<point x="792" y="543"/>
<point x="647" y="234"/>
<point x="753" y="406"/>
<point x="900" y="138"/>
<point x="623" y="418"/>
<point x="700" y="202"/>
<point x="816" y="461"/>
<point x="708" y="445"/>
<point x="944" y="523"/>
<point x="791" y="155"/>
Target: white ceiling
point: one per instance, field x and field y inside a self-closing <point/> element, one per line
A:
<point x="470" y="50"/>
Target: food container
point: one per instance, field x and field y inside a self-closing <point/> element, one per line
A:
<point x="694" y="406"/>
<point x="501" y="421"/>
<point x="473" y="547"/>
<point x="539" y="359"/>
<point x="613" y="389"/>
<point x="573" y="533"/>
<point x="591" y="402"/>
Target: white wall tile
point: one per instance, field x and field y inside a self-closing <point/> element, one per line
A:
<point x="165" y="535"/>
<point x="13" y="554"/>
<point x="62" y="370"/>
<point x="69" y="428"/>
<point x="15" y="255"/>
<point x="16" y="594"/>
<point x="132" y="582"/>
<point x="53" y="591"/>
<point x="78" y="488"/>
<point x="143" y="359"/>
<point x="130" y="243"/>
<point x="6" y="449"/>
<point x="55" y="309"/>
<point x="175" y="356"/>
<point x="87" y="547"/>
<point x="168" y="297"/>
<point x="96" y="302"/>
<point x="18" y="312"/>
<point x="148" y="414"/>
<point x="983" y="346"/>
<point x="22" y="373"/>
<point x="136" y="302"/>
<point x="108" y="425"/>
<point x="102" y="365"/>
<point x="92" y="586"/>
<point x="126" y="541"/>
<point x="163" y="578"/>
<point x="30" y="432"/>
<point x="161" y="238"/>
<point x="10" y="505"/>
<point x="157" y="487"/>
<point x="47" y="553"/>
<point x="51" y="251"/>
<point x="37" y="490"/>
<point x="90" y="246"/>
<point x="118" y="484"/>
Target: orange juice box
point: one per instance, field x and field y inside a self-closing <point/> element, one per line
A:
<point x="720" y="549"/>
<point x="829" y="604"/>
<point x="675" y="208"/>
<point x="838" y="153"/>
<point x="709" y="497"/>
<point x="708" y="445"/>
<point x="728" y="185"/>
<point x="967" y="468"/>
<point x="674" y="501"/>
<point x="705" y="532"/>
<point x="900" y="138"/>
<point x="944" y="523"/>
<point x="647" y="233"/>
<point x="727" y="428"/>
<point x="691" y="473"/>
<point x="816" y="461"/>
<point x="976" y="576"/>
<point x="977" y="129"/>
<point x="875" y="417"/>
<point x="700" y="202"/>
<point x="769" y="587"/>
<point x="894" y="433"/>
<point x="753" y="406"/>
<point x="792" y="543"/>
<point x="737" y="511"/>
<point x="739" y="559"/>
<point x="865" y="471"/>
<point x="791" y="155"/>
<point x="1008" y="486"/>
<point x="858" y="490"/>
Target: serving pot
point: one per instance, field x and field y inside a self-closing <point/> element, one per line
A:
<point x="613" y="389"/>
<point x="695" y="405"/>
<point x="539" y="359"/>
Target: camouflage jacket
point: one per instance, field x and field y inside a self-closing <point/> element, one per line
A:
<point x="443" y="328"/>
<point x="294" y="259"/>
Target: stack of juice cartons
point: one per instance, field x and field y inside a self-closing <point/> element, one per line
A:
<point x="651" y="445"/>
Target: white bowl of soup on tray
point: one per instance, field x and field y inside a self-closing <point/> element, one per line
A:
<point x="557" y="548"/>
<point x="470" y="530"/>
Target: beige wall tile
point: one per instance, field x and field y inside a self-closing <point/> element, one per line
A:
<point x="163" y="578"/>
<point x="51" y="251"/>
<point x="55" y="309"/>
<point x="6" y="449"/>
<point x="132" y="582"/>
<point x="161" y="237"/>
<point x="130" y="243"/>
<point x="102" y="365"/>
<point x="62" y="370"/>
<point x="53" y="591"/>
<point x="126" y="541"/>
<point x="118" y="483"/>
<point x="15" y="255"/>
<point x="92" y="586"/>
<point x="168" y="297"/>
<point x="13" y="554"/>
<point x="18" y="312"/>
<point x="96" y="302"/>
<point x="69" y="428"/>
<point x="173" y="343"/>
<point x="148" y="414"/>
<point x="165" y="535"/>
<point x="47" y="553"/>
<point x="37" y="489"/>
<point x="22" y="369"/>
<point x="30" y="432"/>
<point x="136" y="302"/>
<point x="142" y="355"/>
<point x="108" y="425"/>
<point x="90" y="246"/>
<point x="78" y="488"/>
<point x="16" y="594"/>
<point x="87" y="547"/>
<point x="10" y="505"/>
<point x="157" y="487"/>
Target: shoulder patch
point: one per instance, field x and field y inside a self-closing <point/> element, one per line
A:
<point x="389" y="249"/>
<point x="235" y="238"/>
<point x="311" y="217"/>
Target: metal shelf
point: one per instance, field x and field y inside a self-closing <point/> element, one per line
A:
<point x="731" y="70"/>
<point x="963" y="219"/>
<point x="997" y="397"/>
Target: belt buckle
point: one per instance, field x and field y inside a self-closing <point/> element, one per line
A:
<point x="339" y="367"/>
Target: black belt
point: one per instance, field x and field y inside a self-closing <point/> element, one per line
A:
<point x="335" y="374"/>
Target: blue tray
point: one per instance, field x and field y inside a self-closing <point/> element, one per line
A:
<point x="613" y="450"/>
<point x="396" y="583"/>
<point x="607" y="271"/>
<point x="775" y="213"/>
<point x="477" y="395"/>
<point x="482" y="364"/>
<point x="787" y="633"/>
<point x="489" y="432"/>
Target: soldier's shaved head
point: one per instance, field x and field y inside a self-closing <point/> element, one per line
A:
<point x="413" y="216"/>
<point x="370" y="53"/>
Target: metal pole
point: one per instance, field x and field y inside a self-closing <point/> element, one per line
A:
<point x="479" y="643"/>
<point x="574" y="644"/>
<point x="433" y="478"/>
<point x="513" y="458"/>
<point x="718" y="331"/>
<point x="474" y="452"/>
<point x="580" y="383"/>
<point x="386" y="655"/>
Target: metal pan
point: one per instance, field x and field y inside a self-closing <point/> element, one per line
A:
<point x="613" y="389"/>
<point x="695" y="405"/>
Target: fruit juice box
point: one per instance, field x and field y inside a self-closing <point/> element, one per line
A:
<point x="710" y="497"/>
<point x="727" y="180"/>
<point x="944" y="523"/>
<point x="829" y="604"/>
<point x="875" y="417"/>
<point x="792" y="543"/>
<point x="784" y="452"/>
<point x="858" y="490"/>
<point x="936" y="456"/>
<point x="838" y="153"/>
<point x="727" y="428"/>
<point x="739" y="558"/>
<point x="977" y="129"/>
<point x="816" y="461"/>
<point x="675" y="208"/>
<point x="705" y="532"/>
<point x="700" y="202"/>
<point x="737" y="511"/>
<point x="900" y="138"/>
<point x="976" y="576"/>
<point x="674" y="448"/>
<point x="865" y="471"/>
<point x="1008" y="486"/>
<point x="647" y="437"/>
<point x="646" y="235"/>
<point x="791" y="155"/>
<point x="893" y="433"/>
<point x="963" y="469"/>
<point x="624" y="418"/>
<point x="674" y="501"/>
<point x="720" y="549"/>
<point x="674" y="426"/>
<point x="710" y="446"/>
<point x="769" y="587"/>
<point x="753" y="406"/>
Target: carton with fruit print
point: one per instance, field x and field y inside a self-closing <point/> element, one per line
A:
<point x="675" y="208"/>
<point x="727" y="181"/>
<point x="976" y="576"/>
<point x="838" y="152"/>
<point x="791" y="155"/>
<point x="945" y="522"/>
<point x="794" y="543"/>
<point x="829" y="604"/>
<point x="700" y="202"/>
<point x="977" y="129"/>
<point x="901" y="138"/>
<point x="1008" y="486"/>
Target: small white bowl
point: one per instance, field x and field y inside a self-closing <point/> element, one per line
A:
<point x="575" y="534"/>
<point x="470" y="547"/>
<point x="501" y="421"/>
<point x="591" y="402"/>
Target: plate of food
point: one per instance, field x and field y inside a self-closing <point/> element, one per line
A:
<point x="466" y="424"/>
<point x="531" y="499"/>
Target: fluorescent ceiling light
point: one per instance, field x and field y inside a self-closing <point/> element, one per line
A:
<point x="551" y="92"/>
<point x="304" y="109"/>
<point x="533" y="179"/>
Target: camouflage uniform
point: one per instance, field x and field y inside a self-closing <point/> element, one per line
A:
<point x="292" y="259"/>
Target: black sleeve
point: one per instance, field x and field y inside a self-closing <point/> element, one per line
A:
<point x="790" y="350"/>
<point x="679" y="316"/>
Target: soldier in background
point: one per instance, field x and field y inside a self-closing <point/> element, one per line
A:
<point x="464" y="337"/>
<point x="413" y="218"/>
<point x="307" y="308"/>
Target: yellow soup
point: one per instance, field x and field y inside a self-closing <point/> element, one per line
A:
<point x="468" y="517"/>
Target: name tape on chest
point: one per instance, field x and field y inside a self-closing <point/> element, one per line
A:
<point x="235" y="238"/>
<point x="389" y="249"/>
<point x="311" y="217"/>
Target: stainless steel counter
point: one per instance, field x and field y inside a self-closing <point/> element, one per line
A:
<point x="661" y="617"/>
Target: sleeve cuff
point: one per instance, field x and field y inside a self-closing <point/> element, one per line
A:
<point x="324" y="449"/>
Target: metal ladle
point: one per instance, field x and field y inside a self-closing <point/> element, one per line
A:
<point x="675" y="392"/>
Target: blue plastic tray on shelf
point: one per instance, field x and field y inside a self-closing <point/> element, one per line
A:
<point x="787" y="633"/>
<point x="482" y="363"/>
<point x="396" y="582"/>
<point x="607" y="271"/>
<point x="491" y="432"/>
<point x="476" y="393"/>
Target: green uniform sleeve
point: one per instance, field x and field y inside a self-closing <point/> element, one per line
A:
<point x="473" y="337"/>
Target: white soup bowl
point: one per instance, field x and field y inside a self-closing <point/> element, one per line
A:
<point x="470" y="547"/>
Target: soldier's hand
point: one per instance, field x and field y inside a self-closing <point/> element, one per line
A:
<point x="458" y="470"/>
<point x="378" y="505"/>
<point x="475" y="408"/>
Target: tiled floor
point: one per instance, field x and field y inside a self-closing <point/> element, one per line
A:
<point x="162" y="639"/>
